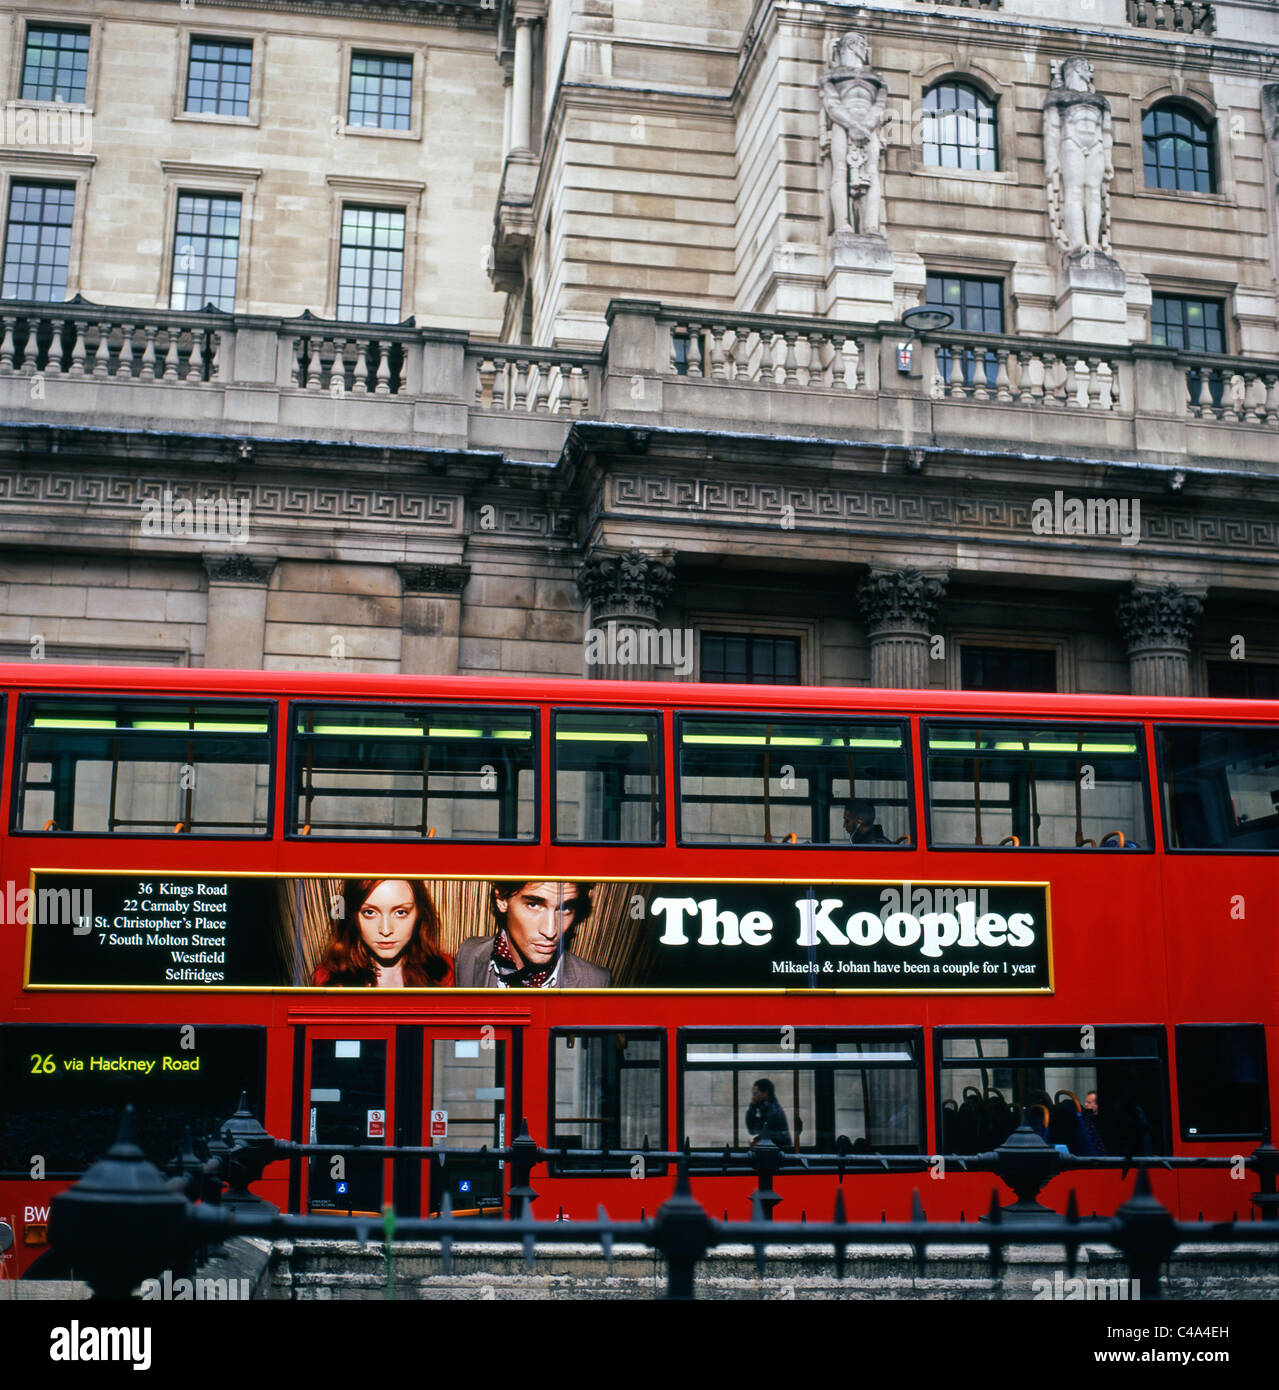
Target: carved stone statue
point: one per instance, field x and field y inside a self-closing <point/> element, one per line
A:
<point x="1077" y="159"/>
<point x="1270" y="123"/>
<point x="854" y="101"/>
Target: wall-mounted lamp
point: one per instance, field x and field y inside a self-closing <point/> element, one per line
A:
<point x="923" y="319"/>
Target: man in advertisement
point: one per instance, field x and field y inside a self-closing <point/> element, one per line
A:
<point x="529" y="949"/>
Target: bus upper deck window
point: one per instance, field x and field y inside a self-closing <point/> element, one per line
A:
<point x="774" y="779"/>
<point x="608" y="776"/>
<point x="407" y="772"/>
<point x="1078" y="786"/>
<point x="155" y="767"/>
<point x="1220" y="786"/>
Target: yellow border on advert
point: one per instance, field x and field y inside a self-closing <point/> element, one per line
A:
<point x="453" y="990"/>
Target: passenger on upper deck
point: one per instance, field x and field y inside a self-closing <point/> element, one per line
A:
<point x="388" y="935"/>
<point x="859" y="821"/>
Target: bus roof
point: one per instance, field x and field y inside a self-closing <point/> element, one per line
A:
<point x="160" y="682"/>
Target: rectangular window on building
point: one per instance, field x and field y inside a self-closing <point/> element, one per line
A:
<point x="56" y="64"/>
<point x="1191" y="325"/>
<point x="381" y="92"/>
<point x="371" y="265"/>
<point x="977" y="306"/>
<point x="206" y="249"/>
<point x="37" y="245"/>
<point x="1006" y="668"/>
<point x="1243" y="680"/>
<point x="749" y="659"/>
<point x="219" y="76"/>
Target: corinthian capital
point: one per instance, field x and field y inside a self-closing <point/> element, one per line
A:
<point x="632" y="582"/>
<point x="1158" y="617"/>
<point x="887" y="597"/>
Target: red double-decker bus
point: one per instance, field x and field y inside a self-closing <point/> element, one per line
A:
<point x="415" y="910"/>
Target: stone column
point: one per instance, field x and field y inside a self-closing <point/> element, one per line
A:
<point x="431" y="618"/>
<point x="235" y="625"/>
<point x="900" y="609"/>
<point x="626" y="592"/>
<point x="1157" y="624"/>
<point x="522" y="85"/>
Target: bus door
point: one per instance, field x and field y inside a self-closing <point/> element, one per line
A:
<point x="465" y="1090"/>
<point x="348" y="1098"/>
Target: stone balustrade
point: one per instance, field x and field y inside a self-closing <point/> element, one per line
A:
<point x="530" y="379"/>
<point x="362" y="364"/>
<point x="1013" y="371"/>
<point x="77" y="339"/>
<point x="658" y="366"/>
<point x="1235" y="391"/>
<point x="1179" y="16"/>
<point x="763" y="351"/>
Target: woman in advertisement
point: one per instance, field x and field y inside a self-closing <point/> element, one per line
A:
<point x="388" y="936"/>
<point x="528" y="950"/>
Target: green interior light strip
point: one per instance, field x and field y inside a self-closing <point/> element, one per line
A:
<point x="576" y="736"/>
<point x="405" y="731"/>
<point x="751" y="741"/>
<point x="150" y="726"/>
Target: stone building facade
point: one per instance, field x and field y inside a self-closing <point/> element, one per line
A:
<point x="574" y="337"/>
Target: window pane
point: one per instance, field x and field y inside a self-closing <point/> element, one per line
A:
<point x="1108" y="1100"/>
<point x="831" y="1091"/>
<point x="38" y="241"/>
<point x="414" y="773"/>
<point x="56" y="64"/>
<point x="206" y="250"/>
<point x="608" y="777"/>
<point x="1221" y="1081"/>
<point x="372" y="243"/>
<point x="1178" y="150"/>
<point x="767" y="781"/>
<point x="606" y="1092"/>
<point x="1007" y="668"/>
<point x="749" y="659"/>
<point x="1220" y="787"/>
<point x="218" y="77"/>
<point x="381" y="92"/>
<point x="100" y="767"/>
<point x="961" y="133"/>
<point x="1054" y="786"/>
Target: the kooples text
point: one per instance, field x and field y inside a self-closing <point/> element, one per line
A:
<point x="931" y="933"/>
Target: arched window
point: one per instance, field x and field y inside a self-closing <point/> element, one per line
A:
<point x="1178" y="149"/>
<point x="959" y="128"/>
